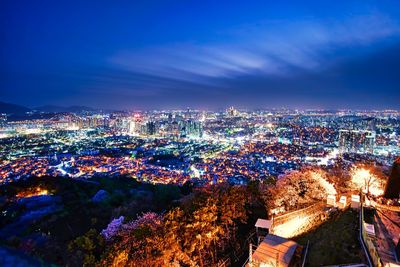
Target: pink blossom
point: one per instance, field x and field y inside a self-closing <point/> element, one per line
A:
<point x="112" y="228"/>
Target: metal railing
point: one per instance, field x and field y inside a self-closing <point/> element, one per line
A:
<point x="366" y="241"/>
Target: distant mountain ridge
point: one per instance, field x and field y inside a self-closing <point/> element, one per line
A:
<point x="18" y="110"/>
<point x="9" y="108"/>
<point x="57" y="109"/>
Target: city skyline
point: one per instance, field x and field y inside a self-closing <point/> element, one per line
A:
<point x="203" y="56"/>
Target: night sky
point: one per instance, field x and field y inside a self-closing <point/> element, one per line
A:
<point x="204" y="54"/>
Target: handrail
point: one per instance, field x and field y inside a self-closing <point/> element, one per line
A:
<point x="367" y="244"/>
<point x="361" y="236"/>
<point x="305" y="253"/>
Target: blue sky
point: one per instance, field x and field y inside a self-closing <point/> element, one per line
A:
<point x="204" y="54"/>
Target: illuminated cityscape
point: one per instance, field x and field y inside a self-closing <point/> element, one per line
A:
<point x="159" y="134"/>
<point x="208" y="147"/>
<point x="231" y="147"/>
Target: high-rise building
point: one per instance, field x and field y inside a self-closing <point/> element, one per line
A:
<point x="190" y="128"/>
<point x="232" y="112"/>
<point x="132" y="127"/>
<point x="173" y="129"/>
<point x="150" y="128"/>
<point x="356" y="141"/>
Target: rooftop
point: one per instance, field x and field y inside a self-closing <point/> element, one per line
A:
<point x="275" y="248"/>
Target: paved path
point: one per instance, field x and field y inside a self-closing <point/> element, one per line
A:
<point x="387" y="232"/>
<point x="385" y="207"/>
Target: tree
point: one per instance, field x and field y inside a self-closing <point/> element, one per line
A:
<point x="86" y="249"/>
<point x="202" y="232"/>
<point x="194" y="234"/>
<point x="232" y="209"/>
<point x="297" y="188"/>
<point x="366" y="179"/>
<point x="137" y="243"/>
<point x="174" y="227"/>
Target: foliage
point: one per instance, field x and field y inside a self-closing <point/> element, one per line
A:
<point x="297" y="188"/>
<point x="112" y="228"/>
<point x="78" y="214"/>
<point x="367" y="178"/>
<point x="188" y="226"/>
<point x="197" y="233"/>
<point x="86" y="249"/>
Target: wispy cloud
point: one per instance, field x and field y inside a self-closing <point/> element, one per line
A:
<point x="269" y="48"/>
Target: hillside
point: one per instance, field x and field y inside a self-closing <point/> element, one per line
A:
<point x="9" y="108"/>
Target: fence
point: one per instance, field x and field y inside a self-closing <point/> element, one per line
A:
<point x="372" y="251"/>
<point x="310" y="210"/>
<point x="297" y="222"/>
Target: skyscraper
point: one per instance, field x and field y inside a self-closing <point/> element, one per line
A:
<point x="190" y="128"/>
<point x="356" y="141"/>
<point x="151" y="128"/>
